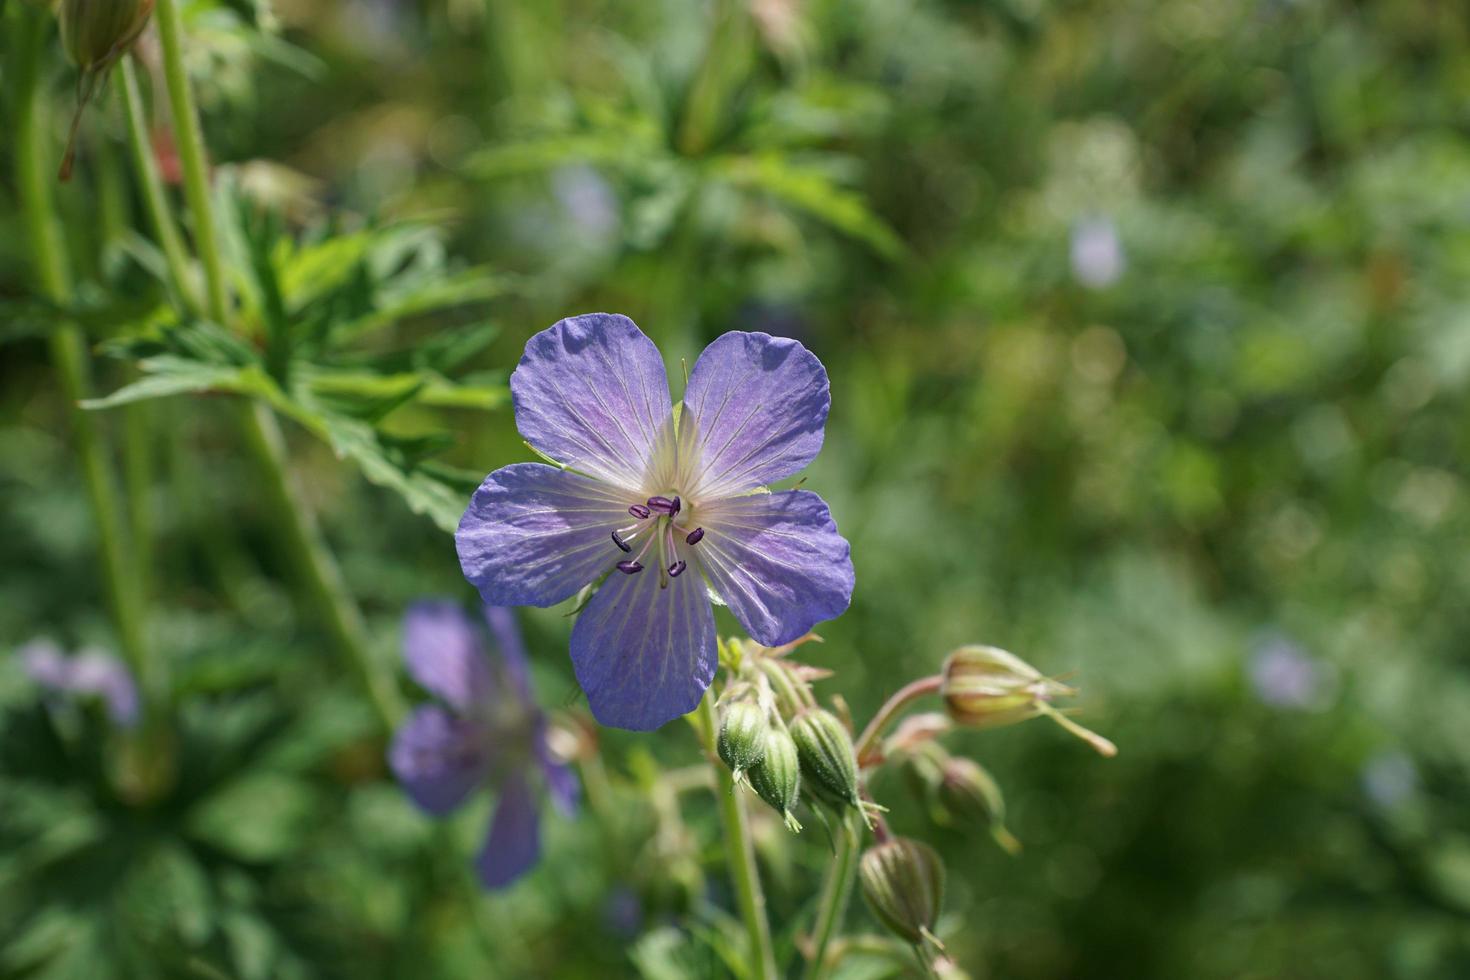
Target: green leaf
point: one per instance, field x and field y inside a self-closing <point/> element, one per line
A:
<point x="809" y="189"/>
<point x="258" y="817"/>
<point x="169" y="375"/>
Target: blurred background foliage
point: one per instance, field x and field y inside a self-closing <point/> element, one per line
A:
<point x="1148" y="325"/>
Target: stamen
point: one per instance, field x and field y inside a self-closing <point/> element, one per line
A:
<point x="630" y="567"/>
<point x="695" y="536"/>
<point x="674" y="506"/>
<point x="664" y="505"/>
<point x="677" y="569"/>
<point x="621" y="543"/>
<point x="639" y="511"/>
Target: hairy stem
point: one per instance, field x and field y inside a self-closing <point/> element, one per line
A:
<point x="739" y="851"/>
<point x="901" y="699"/>
<point x="836" y="890"/>
<point x="296" y="524"/>
<point x="34" y="175"/>
<point x="191" y="158"/>
<point x="180" y="269"/>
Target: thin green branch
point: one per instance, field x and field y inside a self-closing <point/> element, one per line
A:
<point x="739" y="851"/>
<point x="34" y="175"/>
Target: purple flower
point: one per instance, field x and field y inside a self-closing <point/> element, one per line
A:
<point x="661" y="505"/>
<point x="487" y="731"/>
<point x="1286" y="676"/>
<point x="1097" y="254"/>
<point x="92" y="673"/>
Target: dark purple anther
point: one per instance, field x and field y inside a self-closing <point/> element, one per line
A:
<point x="674" y="506"/>
<point x="677" y="569"/>
<point x="664" y="505"/>
<point x="639" y="511"/>
<point x="695" y="536"/>
<point x="621" y="543"/>
<point x="630" y="567"/>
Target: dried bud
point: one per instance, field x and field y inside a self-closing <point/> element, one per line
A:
<point x="777" y="778"/>
<point x="742" y="741"/>
<point x="827" y="761"/>
<point x="987" y="687"/>
<point x="96" y="33"/>
<point x="903" y="882"/>
<point x="966" y="792"/>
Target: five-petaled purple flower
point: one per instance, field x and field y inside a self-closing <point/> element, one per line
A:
<point x="487" y="731"/>
<point x="92" y="673"/>
<point x="663" y="504"/>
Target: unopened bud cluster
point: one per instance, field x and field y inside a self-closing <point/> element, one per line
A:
<point x="987" y="687"/>
<point x="775" y="738"/>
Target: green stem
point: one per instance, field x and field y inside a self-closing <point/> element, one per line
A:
<point x="313" y="560"/>
<point x="901" y="699"/>
<point x="739" y="851"/>
<point x="836" y="890"/>
<point x="191" y="157"/>
<point x="34" y="174"/>
<point x="180" y="269"/>
<point x="297" y="525"/>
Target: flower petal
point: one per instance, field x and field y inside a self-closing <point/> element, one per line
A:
<point x="514" y="843"/>
<point x="439" y="759"/>
<point x="512" y="649"/>
<point x="591" y="392"/>
<point x="97" y="673"/>
<point x="645" y="654"/>
<point x="561" y="781"/>
<point x="533" y="534"/>
<point x="443" y="651"/>
<point x="777" y="561"/>
<point x="759" y="404"/>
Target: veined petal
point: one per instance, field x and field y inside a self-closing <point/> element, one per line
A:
<point x="645" y="654"/>
<point x="439" y="759"/>
<point x="758" y="405"/>
<point x="441" y="647"/>
<point x="514" y="843"/>
<point x="533" y="534"/>
<point x="777" y="561"/>
<point x="512" y="649"/>
<point x="591" y="392"/>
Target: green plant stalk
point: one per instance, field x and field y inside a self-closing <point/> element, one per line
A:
<point x="313" y="559"/>
<point x="180" y="269"/>
<point x="836" y="891"/>
<point x="34" y="175"/>
<point x="295" y="522"/>
<point x="841" y="874"/>
<point x="739" y="851"/>
<point x="190" y="140"/>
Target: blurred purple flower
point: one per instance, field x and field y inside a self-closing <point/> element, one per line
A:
<point x="1097" y="253"/>
<point x="636" y="486"/>
<point x="92" y="673"/>
<point x="488" y="730"/>
<point x="1389" y="779"/>
<point x="1286" y="676"/>
<point x="587" y="199"/>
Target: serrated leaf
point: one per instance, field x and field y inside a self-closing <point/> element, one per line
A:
<point x="169" y="375"/>
<point x="810" y="190"/>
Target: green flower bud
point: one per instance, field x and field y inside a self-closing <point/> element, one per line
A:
<point x="777" y="778"/>
<point x="742" y="741"/>
<point x="987" y="687"/>
<point x="827" y="761"/>
<point x="96" y="33"/>
<point x="967" y="792"/>
<point x="903" y="883"/>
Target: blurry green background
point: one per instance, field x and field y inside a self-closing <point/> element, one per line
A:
<point x="1148" y="324"/>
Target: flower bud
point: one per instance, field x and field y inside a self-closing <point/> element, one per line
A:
<point x="742" y="741"/>
<point x="96" y="33"/>
<point x="987" y="687"/>
<point x="968" y="793"/>
<point x="903" y="883"/>
<point x="825" y="750"/>
<point x="777" y="777"/>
